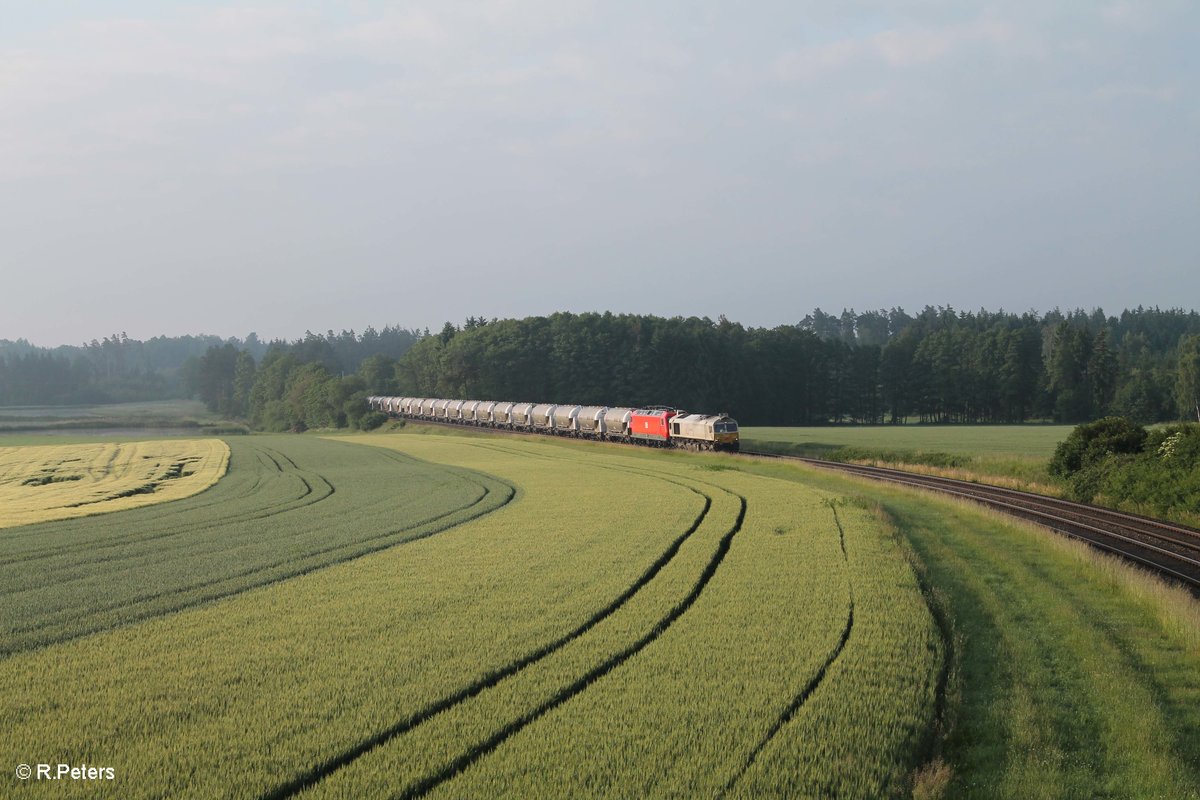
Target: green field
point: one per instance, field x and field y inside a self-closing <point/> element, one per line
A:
<point x="20" y="425"/>
<point x="288" y="505"/>
<point x="472" y="615"/>
<point x="1027" y="441"/>
<point x="1006" y="455"/>
<point x="172" y="410"/>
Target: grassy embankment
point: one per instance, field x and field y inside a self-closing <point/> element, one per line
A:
<point x="1073" y="674"/>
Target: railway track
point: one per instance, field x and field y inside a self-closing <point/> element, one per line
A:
<point x="1171" y="550"/>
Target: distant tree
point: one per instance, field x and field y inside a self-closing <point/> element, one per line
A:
<point x="244" y="372"/>
<point x="1187" y="381"/>
<point x="212" y="379"/>
<point x="1067" y="376"/>
<point x="378" y="373"/>
<point x="1102" y="373"/>
<point x="872" y="329"/>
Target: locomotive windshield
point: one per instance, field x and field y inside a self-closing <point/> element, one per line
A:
<point x="725" y="427"/>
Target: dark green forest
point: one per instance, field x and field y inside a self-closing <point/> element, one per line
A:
<point x="939" y="366"/>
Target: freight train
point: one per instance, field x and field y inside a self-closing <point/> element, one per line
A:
<point x="657" y="426"/>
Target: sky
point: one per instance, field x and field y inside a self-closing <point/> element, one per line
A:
<point x="200" y="167"/>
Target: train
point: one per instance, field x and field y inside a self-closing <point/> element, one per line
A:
<point x="655" y="426"/>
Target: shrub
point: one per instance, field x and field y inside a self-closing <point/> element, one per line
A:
<point x="372" y="420"/>
<point x="1090" y="443"/>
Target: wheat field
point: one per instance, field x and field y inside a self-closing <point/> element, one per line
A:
<point x="56" y="482"/>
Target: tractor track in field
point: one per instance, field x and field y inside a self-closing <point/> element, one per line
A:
<point x="801" y="698"/>
<point x="423" y="787"/>
<point x="494" y="678"/>
<point x="316" y="489"/>
<point x="1168" y="549"/>
<point x="175" y="528"/>
<point x="274" y="572"/>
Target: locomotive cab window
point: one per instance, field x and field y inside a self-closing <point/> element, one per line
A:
<point x="675" y="428"/>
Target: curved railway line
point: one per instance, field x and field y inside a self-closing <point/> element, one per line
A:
<point x="1168" y="549"/>
<point x="1171" y="550"/>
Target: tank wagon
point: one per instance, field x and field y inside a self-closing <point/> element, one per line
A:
<point x="656" y="426"/>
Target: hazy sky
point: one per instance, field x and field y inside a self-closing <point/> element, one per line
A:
<point x="187" y="167"/>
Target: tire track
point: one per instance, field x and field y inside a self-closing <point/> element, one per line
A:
<point x="174" y="528"/>
<point x="423" y="787"/>
<point x="185" y="532"/>
<point x="800" y="699"/>
<point x="220" y="594"/>
<point x="940" y="612"/>
<point x="25" y="637"/>
<point x="190" y="529"/>
<point x="332" y="765"/>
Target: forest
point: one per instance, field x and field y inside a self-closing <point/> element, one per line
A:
<point x="937" y="366"/>
<point x="119" y="369"/>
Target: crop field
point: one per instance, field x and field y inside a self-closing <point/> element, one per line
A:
<point x="38" y="484"/>
<point x="1015" y="456"/>
<point x="1020" y="441"/>
<point x="1071" y="674"/>
<point x="691" y="615"/>
<point x="129" y="413"/>
<point x="413" y="615"/>
<point x="20" y="425"/>
<point x="286" y="506"/>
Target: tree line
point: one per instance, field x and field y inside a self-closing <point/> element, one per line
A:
<point x="120" y="369"/>
<point x="887" y="366"/>
<point x="314" y="382"/>
<point x="938" y="366"/>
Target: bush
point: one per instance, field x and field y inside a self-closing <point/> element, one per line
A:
<point x="1092" y="442"/>
<point x="371" y="421"/>
<point x="1176" y="445"/>
<point x="1163" y="479"/>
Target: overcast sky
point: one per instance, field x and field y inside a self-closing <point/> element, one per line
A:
<point x="176" y="167"/>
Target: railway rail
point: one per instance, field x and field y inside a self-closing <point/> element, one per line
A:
<point x="1169" y="549"/>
